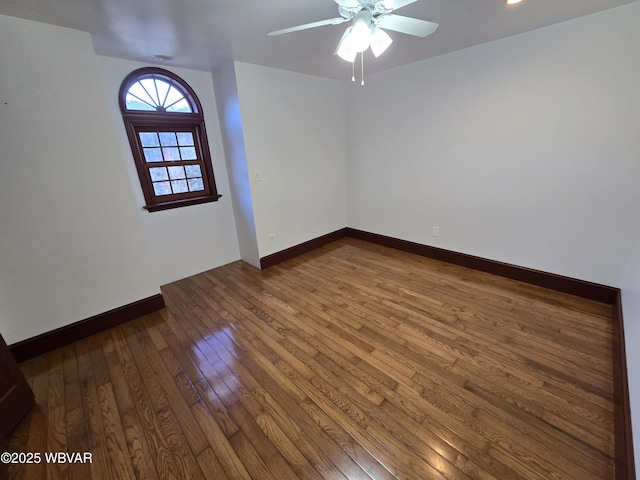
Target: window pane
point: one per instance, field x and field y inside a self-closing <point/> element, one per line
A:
<point x="133" y="103"/>
<point x="171" y="154"/>
<point x="158" y="173"/>
<point x="163" y="89"/>
<point x="181" y="106"/>
<point x="162" y="188"/>
<point x="173" y="97"/>
<point x="168" y="139"/>
<point x="185" y="139"/>
<point x="179" y="186"/>
<point x="188" y="153"/>
<point x="137" y="90"/>
<point x="152" y="154"/>
<point x="176" y="172"/>
<point x="193" y="171"/>
<point x="150" y="86"/>
<point x="195" y="184"/>
<point x="149" y="139"/>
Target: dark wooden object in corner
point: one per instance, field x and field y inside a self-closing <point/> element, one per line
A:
<point x="16" y="397"/>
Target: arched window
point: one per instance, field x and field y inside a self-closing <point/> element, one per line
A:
<point x="165" y="125"/>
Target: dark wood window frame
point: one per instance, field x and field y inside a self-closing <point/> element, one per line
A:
<point x="159" y="120"/>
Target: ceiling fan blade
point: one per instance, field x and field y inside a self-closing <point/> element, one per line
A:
<point x="352" y="3"/>
<point x="396" y="4"/>
<point x="321" y="23"/>
<point x="408" y="25"/>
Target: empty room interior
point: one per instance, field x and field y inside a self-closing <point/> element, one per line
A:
<point x="431" y="272"/>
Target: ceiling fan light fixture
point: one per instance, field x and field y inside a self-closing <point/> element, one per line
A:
<point x="368" y="19"/>
<point x="360" y="35"/>
<point x="380" y="41"/>
<point x="346" y="49"/>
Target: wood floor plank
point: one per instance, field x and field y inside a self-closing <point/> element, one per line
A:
<point x="121" y="369"/>
<point x="210" y="465"/>
<point x="177" y="423"/>
<point x="227" y="456"/>
<point x="35" y="437"/>
<point x="91" y="406"/>
<point x="56" y="424"/>
<point x="274" y="430"/>
<point x="352" y="361"/>
<point x="76" y="429"/>
<point x="159" y="450"/>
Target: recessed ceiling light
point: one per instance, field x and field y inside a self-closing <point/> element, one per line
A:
<point x="163" y="58"/>
<point x="513" y="2"/>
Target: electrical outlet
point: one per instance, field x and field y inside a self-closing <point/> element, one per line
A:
<point x="436" y="231"/>
<point x="272" y="238"/>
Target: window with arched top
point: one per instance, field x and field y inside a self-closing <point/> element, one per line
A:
<point x="165" y="126"/>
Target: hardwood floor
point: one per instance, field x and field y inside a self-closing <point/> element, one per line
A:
<point x="350" y="362"/>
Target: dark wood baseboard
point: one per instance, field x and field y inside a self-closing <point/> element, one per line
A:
<point x="34" y="346"/>
<point x="580" y="288"/>
<point x="292" y="252"/>
<point x="573" y="286"/>
<point x="623" y="434"/>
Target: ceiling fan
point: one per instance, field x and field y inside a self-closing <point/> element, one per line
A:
<point x="368" y="18"/>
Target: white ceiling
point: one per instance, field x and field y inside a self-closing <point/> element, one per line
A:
<point x="201" y="34"/>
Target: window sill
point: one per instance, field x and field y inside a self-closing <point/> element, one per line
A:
<point x="156" y="207"/>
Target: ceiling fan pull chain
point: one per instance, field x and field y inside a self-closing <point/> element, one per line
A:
<point x="362" y="68"/>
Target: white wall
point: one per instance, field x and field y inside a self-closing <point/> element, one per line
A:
<point x="523" y="150"/>
<point x="226" y="92"/>
<point x="295" y="136"/>
<point x="188" y="240"/>
<point x="631" y="313"/>
<point x="71" y="244"/>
